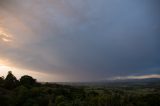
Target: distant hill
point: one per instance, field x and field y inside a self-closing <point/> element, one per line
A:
<point x="137" y="80"/>
<point x="150" y="82"/>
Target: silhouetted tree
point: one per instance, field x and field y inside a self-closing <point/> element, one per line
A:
<point x="1" y="81"/>
<point x="27" y="81"/>
<point x="28" y="93"/>
<point x="10" y="81"/>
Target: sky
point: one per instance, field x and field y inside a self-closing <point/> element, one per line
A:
<point x="80" y="40"/>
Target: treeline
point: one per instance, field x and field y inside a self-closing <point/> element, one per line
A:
<point x="28" y="92"/>
<point x="11" y="82"/>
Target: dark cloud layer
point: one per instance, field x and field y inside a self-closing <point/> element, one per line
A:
<point x="83" y="39"/>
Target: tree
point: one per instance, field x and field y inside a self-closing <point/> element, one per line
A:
<point x="1" y="81"/>
<point x="10" y="81"/>
<point x="27" y="81"/>
<point x="59" y="101"/>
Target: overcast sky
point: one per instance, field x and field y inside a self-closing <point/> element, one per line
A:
<point x="81" y="40"/>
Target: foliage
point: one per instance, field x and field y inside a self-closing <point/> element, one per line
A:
<point x="10" y="81"/>
<point x="1" y="81"/>
<point x="27" y="81"/>
<point x="29" y="93"/>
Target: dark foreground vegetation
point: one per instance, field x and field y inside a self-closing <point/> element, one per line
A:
<point x="27" y="92"/>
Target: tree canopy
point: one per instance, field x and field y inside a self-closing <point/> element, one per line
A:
<point x="27" y="92"/>
<point x="27" y="80"/>
<point x="10" y="81"/>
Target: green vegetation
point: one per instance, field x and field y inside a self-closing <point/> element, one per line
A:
<point x="27" y="92"/>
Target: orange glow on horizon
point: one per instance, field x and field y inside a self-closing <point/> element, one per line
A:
<point x="6" y="66"/>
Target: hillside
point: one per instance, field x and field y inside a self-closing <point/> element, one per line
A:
<point x="27" y="92"/>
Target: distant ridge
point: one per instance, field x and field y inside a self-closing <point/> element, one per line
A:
<point x="137" y="80"/>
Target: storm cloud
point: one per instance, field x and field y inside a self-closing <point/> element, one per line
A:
<point x="82" y="39"/>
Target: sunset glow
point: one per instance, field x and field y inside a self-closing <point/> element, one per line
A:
<point x="78" y="40"/>
<point x="20" y="72"/>
<point x="5" y="37"/>
<point x="79" y="52"/>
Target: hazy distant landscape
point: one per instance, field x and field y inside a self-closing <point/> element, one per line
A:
<point x="79" y="52"/>
<point x="28" y="92"/>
